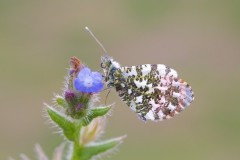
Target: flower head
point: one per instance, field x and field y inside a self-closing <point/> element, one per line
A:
<point x="88" y="81"/>
<point x="75" y="65"/>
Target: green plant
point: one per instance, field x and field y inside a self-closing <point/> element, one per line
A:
<point x="80" y="121"/>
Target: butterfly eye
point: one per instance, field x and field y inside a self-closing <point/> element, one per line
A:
<point x="103" y="65"/>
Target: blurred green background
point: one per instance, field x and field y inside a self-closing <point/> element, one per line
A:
<point x="200" y="39"/>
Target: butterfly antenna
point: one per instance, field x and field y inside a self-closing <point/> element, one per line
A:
<point x="107" y="95"/>
<point x="95" y="38"/>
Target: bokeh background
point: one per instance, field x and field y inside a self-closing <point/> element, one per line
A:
<point x="200" y="39"/>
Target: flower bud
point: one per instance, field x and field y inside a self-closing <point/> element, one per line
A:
<point x="91" y="132"/>
<point x="70" y="96"/>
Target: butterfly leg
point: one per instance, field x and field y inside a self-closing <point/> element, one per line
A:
<point x="109" y="90"/>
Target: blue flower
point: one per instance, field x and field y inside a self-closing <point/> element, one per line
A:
<point x="88" y="81"/>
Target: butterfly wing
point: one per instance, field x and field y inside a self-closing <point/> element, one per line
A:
<point x="154" y="92"/>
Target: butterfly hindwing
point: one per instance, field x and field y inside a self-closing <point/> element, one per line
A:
<point x="154" y="92"/>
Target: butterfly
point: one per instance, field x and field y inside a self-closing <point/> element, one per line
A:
<point x="153" y="91"/>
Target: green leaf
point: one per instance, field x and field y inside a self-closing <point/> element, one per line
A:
<point x="87" y="152"/>
<point x="61" y="101"/>
<point x="94" y="113"/>
<point x="63" y="122"/>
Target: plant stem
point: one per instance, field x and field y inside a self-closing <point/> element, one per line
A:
<point x="77" y="147"/>
<point x="76" y="151"/>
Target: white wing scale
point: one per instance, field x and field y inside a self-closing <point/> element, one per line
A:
<point x="161" y="94"/>
<point x="153" y="91"/>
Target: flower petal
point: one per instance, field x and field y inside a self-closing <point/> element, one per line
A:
<point x="78" y="84"/>
<point x="84" y="72"/>
<point x="96" y="76"/>
<point x="97" y="86"/>
<point x="88" y="82"/>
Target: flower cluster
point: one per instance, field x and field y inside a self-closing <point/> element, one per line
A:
<point x="82" y="86"/>
<point x="82" y="122"/>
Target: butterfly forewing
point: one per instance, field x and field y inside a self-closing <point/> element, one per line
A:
<point x="154" y="92"/>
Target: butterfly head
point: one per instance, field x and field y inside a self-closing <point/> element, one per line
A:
<point x="109" y="66"/>
<point x="108" y="63"/>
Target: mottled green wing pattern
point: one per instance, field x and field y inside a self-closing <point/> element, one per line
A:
<point x="154" y="91"/>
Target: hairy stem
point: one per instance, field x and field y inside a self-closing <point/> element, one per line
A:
<point x="77" y="147"/>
